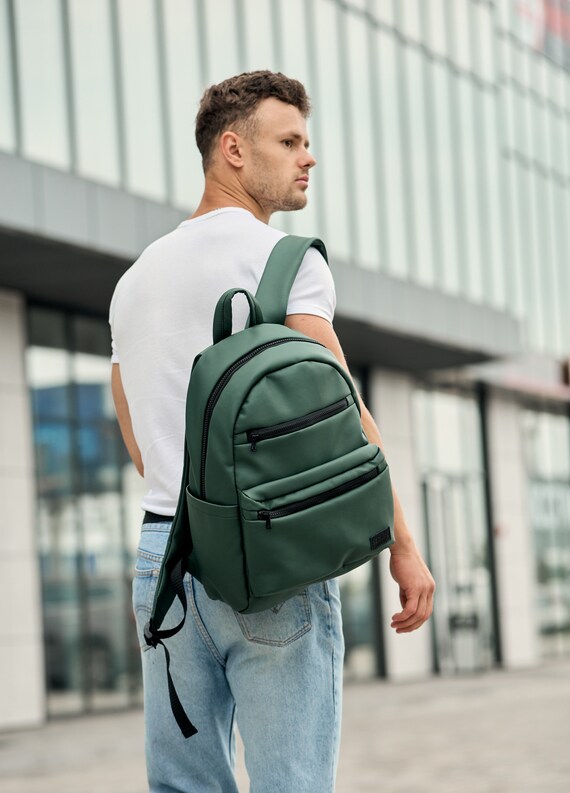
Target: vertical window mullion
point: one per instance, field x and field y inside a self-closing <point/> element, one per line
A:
<point x="409" y="219"/>
<point x="69" y="89"/>
<point x="165" y="114"/>
<point x="119" y="95"/>
<point x="348" y="153"/>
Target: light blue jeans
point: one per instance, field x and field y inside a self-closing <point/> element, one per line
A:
<point x="278" y="673"/>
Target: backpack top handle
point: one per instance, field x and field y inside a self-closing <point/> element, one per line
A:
<point x="223" y="313"/>
<point x="280" y="272"/>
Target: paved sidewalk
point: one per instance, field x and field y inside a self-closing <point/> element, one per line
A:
<point x="502" y="732"/>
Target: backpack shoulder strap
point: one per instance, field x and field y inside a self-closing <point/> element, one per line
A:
<point x="280" y="271"/>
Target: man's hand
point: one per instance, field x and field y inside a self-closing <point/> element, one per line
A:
<point x="417" y="588"/>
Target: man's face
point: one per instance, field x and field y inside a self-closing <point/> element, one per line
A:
<point x="276" y="158"/>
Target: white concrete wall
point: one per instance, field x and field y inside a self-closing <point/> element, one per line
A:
<point x="22" y="691"/>
<point x="512" y="532"/>
<point x="408" y="655"/>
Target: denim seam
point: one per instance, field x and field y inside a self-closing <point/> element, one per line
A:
<point x="203" y="631"/>
<point x="154" y="557"/>
<point x="334" y="688"/>
<point x="146" y="573"/>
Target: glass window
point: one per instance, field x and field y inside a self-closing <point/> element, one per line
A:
<point x="530" y="267"/>
<point x="494" y="220"/>
<point x="7" y="131"/>
<point x="434" y="27"/>
<point x="469" y="189"/>
<point x="221" y="40"/>
<point x="446" y="185"/>
<point x="460" y="31"/>
<point x="408" y="18"/>
<point x="363" y="141"/>
<point x="452" y="479"/>
<point x="141" y="97"/>
<point x="294" y="49"/>
<point x="391" y="136"/>
<point x="258" y="25"/>
<point x="483" y="41"/>
<point x="93" y="90"/>
<point x="548" y="292"/>
<point x="182" y="55"/>
<point x="562" y="237"/>
<point x="84" y="490"/>
<point x="383" y="10"/>
<point x="42" y="82"/>
<point x="514" y="237"/>
<point x="419" y="157"/>
<point x="332" y="157"/>
<point x="547" y="447"/>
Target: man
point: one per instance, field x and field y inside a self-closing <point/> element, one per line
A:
<point x="280" y="671"/>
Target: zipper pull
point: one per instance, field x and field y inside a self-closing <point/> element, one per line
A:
<point x="263" y="514"/>
<point x="253" y="437"/>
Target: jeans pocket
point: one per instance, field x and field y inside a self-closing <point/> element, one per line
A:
<point x="147" y="568"/>
<point x="280" y="625"/>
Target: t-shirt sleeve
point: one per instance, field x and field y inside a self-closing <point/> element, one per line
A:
<point x="313" y="289"/>
<point x="114" y="350"/>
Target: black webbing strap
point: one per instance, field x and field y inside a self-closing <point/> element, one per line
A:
<point x="154" y="637"/>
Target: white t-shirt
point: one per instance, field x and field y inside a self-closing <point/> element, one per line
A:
<point x="161" y="317"/>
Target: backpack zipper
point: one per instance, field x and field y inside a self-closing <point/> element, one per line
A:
<point x="254" y="436"/>
<point x="219" y="387"/>
<point x="306" y="503"/>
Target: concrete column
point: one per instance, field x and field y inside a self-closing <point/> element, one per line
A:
<point x="512" y="532"/>
<point x="22" y="691"/>
<point x="408" y="655"/>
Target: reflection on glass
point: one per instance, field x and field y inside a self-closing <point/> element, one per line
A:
<point x="450" y="456"/>
<point x="142" y="106"/>
<point x="184" y="92"/>
<point x="469" y="189"/>
<point x="331" y="113"/>
<point x="59" y="550"/>
<point x="419" y="156"/>
<point x="259" y="46"/>
<point x="84" y="484"/>
<point x="363" y="141"/>
<point x="7" y="131"/>
<point x="388" y="86"/>
<point x="547" y="453"/>
<point x="222" y="49"/>
<point x="93" y="90"/>
<point x="356" y="593"/>
<point x="42" y="82"/>
<point x="294" y="46"/>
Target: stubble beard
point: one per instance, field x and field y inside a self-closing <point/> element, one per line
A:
<point x="270" y="196"/>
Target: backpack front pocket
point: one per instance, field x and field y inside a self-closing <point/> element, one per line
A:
<point x="216" y="537"/>
<point x="330" y="523"/>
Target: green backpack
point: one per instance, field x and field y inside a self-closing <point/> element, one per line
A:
<point x="280" y="487"/>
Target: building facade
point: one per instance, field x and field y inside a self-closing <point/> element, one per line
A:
<point x="442" y="190"/>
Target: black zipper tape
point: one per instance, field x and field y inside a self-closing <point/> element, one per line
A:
<point x="219" y="387"/>
<point x="285" y="427"/>
<point x="298" y="506"/>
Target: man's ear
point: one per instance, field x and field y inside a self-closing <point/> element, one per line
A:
<point x="231" y="148"/>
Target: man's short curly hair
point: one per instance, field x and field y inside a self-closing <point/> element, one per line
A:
<point x="232" y="104"/>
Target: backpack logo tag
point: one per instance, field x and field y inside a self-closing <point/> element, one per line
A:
<point x="379" y="539"/>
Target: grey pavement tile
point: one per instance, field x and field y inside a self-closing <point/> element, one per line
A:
<point x="502" y="732"/>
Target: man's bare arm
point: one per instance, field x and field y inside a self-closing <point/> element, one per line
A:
<point x="124" y="418"/>
<point x="406" y="564"/>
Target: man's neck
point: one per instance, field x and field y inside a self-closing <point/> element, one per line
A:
<point x="217" y="197"/>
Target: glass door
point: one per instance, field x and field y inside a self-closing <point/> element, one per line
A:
<point x="462" y="619"/>
<point x="448" y="433"/>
